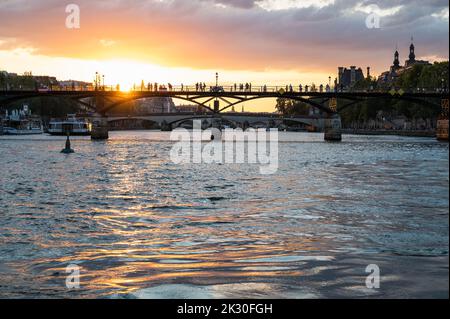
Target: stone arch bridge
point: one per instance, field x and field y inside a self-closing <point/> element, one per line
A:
<point x="173" y="120"/>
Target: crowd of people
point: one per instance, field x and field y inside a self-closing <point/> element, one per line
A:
<point x="242" y="87"/>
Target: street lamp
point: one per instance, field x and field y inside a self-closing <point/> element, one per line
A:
<point x="216" y="102"/>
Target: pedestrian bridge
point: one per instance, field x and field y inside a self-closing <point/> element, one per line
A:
<point x="330" y="103"/>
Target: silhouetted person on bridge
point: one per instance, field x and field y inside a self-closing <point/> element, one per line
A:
<point x="300" y="88"/>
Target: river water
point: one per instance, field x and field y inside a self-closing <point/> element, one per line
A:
<point x="140" y="226"/>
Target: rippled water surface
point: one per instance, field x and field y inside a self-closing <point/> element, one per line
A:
<point x="140" y="226"/>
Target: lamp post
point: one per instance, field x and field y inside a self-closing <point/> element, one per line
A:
<point x="216" y="89"/>
<point x="96" y="81"/>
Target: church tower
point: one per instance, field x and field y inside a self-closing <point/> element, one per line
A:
<point x="412" y="54"/>
<point x="396" y="61"/>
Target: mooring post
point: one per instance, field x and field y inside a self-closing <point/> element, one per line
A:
<point x="68" y="149"/>
<point x="442" y="123"/>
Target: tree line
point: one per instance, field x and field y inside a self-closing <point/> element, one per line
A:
<point x="417" y="78"/>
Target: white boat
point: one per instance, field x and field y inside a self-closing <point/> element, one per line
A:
<point x="22" y="123"/>
<point x="72" y="124"/>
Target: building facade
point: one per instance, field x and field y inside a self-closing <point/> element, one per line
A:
<point x="347" y="78"/>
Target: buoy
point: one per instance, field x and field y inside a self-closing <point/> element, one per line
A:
<point x="67" y="150"/>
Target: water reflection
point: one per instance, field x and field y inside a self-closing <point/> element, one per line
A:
<point x="141" y="226"/>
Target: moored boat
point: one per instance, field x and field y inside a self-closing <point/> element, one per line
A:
<point x="71" y="125"/>
<point x="21" y="122"/>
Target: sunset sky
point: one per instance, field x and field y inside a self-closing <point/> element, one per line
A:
<point x="185" y="41"/>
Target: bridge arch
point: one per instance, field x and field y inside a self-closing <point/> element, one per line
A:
<point x="191" y="118"/>
<point x="296" y="120"/>
<point x="131" y="119"/>
<point x="289" y="97"/>
<point x="15" y="98"/>
<point x="417" y="101"/>
<point x="135" y="98"/>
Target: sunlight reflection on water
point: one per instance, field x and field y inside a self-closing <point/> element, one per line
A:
<point x="141" y="226"/>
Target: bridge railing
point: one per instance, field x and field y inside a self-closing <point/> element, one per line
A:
<point x="225" y="89"/>
<point x="273" y="89"/>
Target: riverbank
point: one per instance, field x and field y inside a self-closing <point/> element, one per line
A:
<point x="426" y="133"/>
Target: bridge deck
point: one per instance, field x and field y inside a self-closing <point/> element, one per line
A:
<point x="173" y="93"/>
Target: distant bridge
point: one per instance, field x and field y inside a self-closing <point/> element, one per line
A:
<point x="173" y="120"/>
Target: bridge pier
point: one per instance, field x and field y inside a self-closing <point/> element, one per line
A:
<point x="216" y="106"/>
<point x="100" y="129"/>
<point x="442" y="123"/>
<point x="100" y="122"/>
<point x="442" y="130"/>
<point x="166" y="127"/>
<point x="333" y="128"/>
